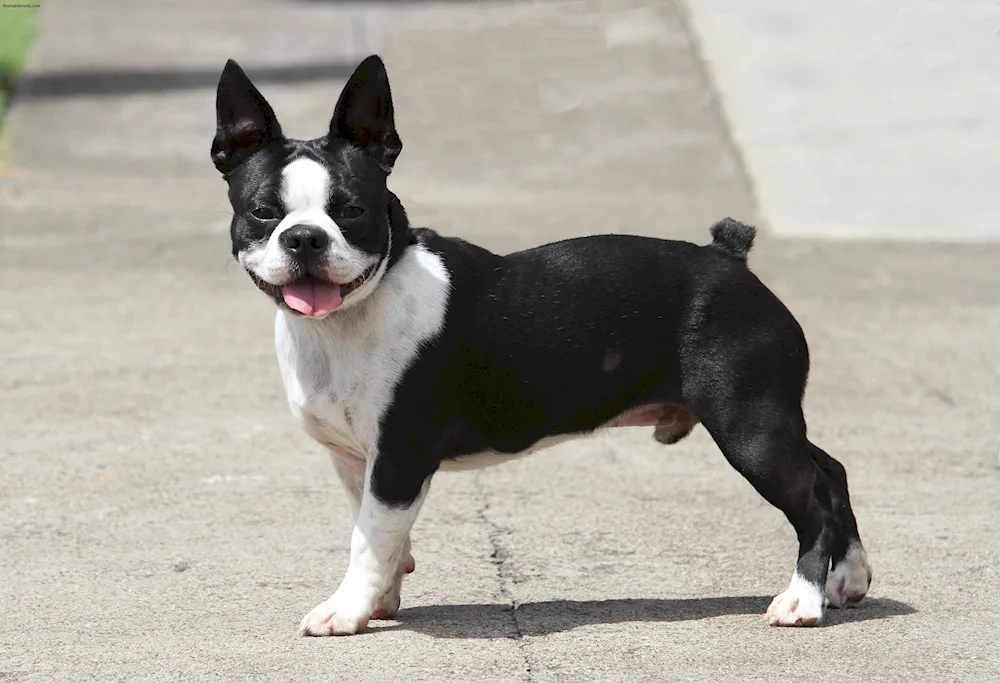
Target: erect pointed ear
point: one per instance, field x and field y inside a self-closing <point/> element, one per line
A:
<point x="363" y="114"/>
<point x="244" y="119"/>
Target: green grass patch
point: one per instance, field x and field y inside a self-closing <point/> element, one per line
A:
<point x="17" y="30"/>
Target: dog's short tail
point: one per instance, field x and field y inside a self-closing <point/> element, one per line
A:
<point x="733" y="238"/>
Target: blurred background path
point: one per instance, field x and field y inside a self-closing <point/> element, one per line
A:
<point x="162" y="518"/>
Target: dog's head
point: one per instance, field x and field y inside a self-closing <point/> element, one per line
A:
<point x="313" y="221"/>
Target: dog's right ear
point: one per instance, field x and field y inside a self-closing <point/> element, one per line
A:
<point x="244" y="120"/>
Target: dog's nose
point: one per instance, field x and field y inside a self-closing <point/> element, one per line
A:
<point x="304" y="241"/>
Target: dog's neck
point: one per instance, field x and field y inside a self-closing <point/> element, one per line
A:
<point x="399" y="230"/>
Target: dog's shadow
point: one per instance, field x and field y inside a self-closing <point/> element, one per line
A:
<point x="556" y="616"/>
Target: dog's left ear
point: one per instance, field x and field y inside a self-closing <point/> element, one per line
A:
<point x="244" y="120"/>
<point x="363" y="114"/>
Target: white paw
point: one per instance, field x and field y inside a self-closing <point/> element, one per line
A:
<point x="847" y="583"/>
<point x="800" y="605"/>
<point x="336" y="617"/>
<point x="388" y="604"/>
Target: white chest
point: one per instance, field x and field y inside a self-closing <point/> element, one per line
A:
<point x="340" y="372"/>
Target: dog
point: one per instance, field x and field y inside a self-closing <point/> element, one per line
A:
<point x="404" y="352"/>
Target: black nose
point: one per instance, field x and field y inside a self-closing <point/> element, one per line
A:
<point x="304" y="241"/>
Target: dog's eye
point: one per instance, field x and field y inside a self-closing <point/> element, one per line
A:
<point x="264" y="213"/>
<point x="351" y="211"/>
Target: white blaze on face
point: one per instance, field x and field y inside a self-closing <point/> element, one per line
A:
<point x="305" y="190"/>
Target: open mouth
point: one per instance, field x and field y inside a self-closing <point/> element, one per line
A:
<point x="359" y="280"/>
<point x="313" y="296"/>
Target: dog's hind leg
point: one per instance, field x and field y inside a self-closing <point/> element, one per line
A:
<point x="765" y="440"/>
<point x="850" y="572"/>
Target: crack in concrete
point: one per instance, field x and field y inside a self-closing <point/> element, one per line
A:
<point x="500" y="558"/>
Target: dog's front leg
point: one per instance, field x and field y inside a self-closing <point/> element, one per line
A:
<point x="379" y="544"/>
<point x="351" y="472"/>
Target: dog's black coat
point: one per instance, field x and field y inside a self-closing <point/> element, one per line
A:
<point x="523" y="352"/>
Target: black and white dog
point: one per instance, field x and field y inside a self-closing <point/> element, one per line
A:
<point x="404" y="352"/>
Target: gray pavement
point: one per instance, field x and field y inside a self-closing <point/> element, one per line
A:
<point x="880" y="119"/>
<point x="162" y="518"/>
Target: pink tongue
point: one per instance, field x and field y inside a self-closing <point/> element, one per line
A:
<point x="312" y="297"/>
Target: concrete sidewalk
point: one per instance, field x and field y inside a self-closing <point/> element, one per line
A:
<point x="162" y="518"/>
<point x="879" y="119"/>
